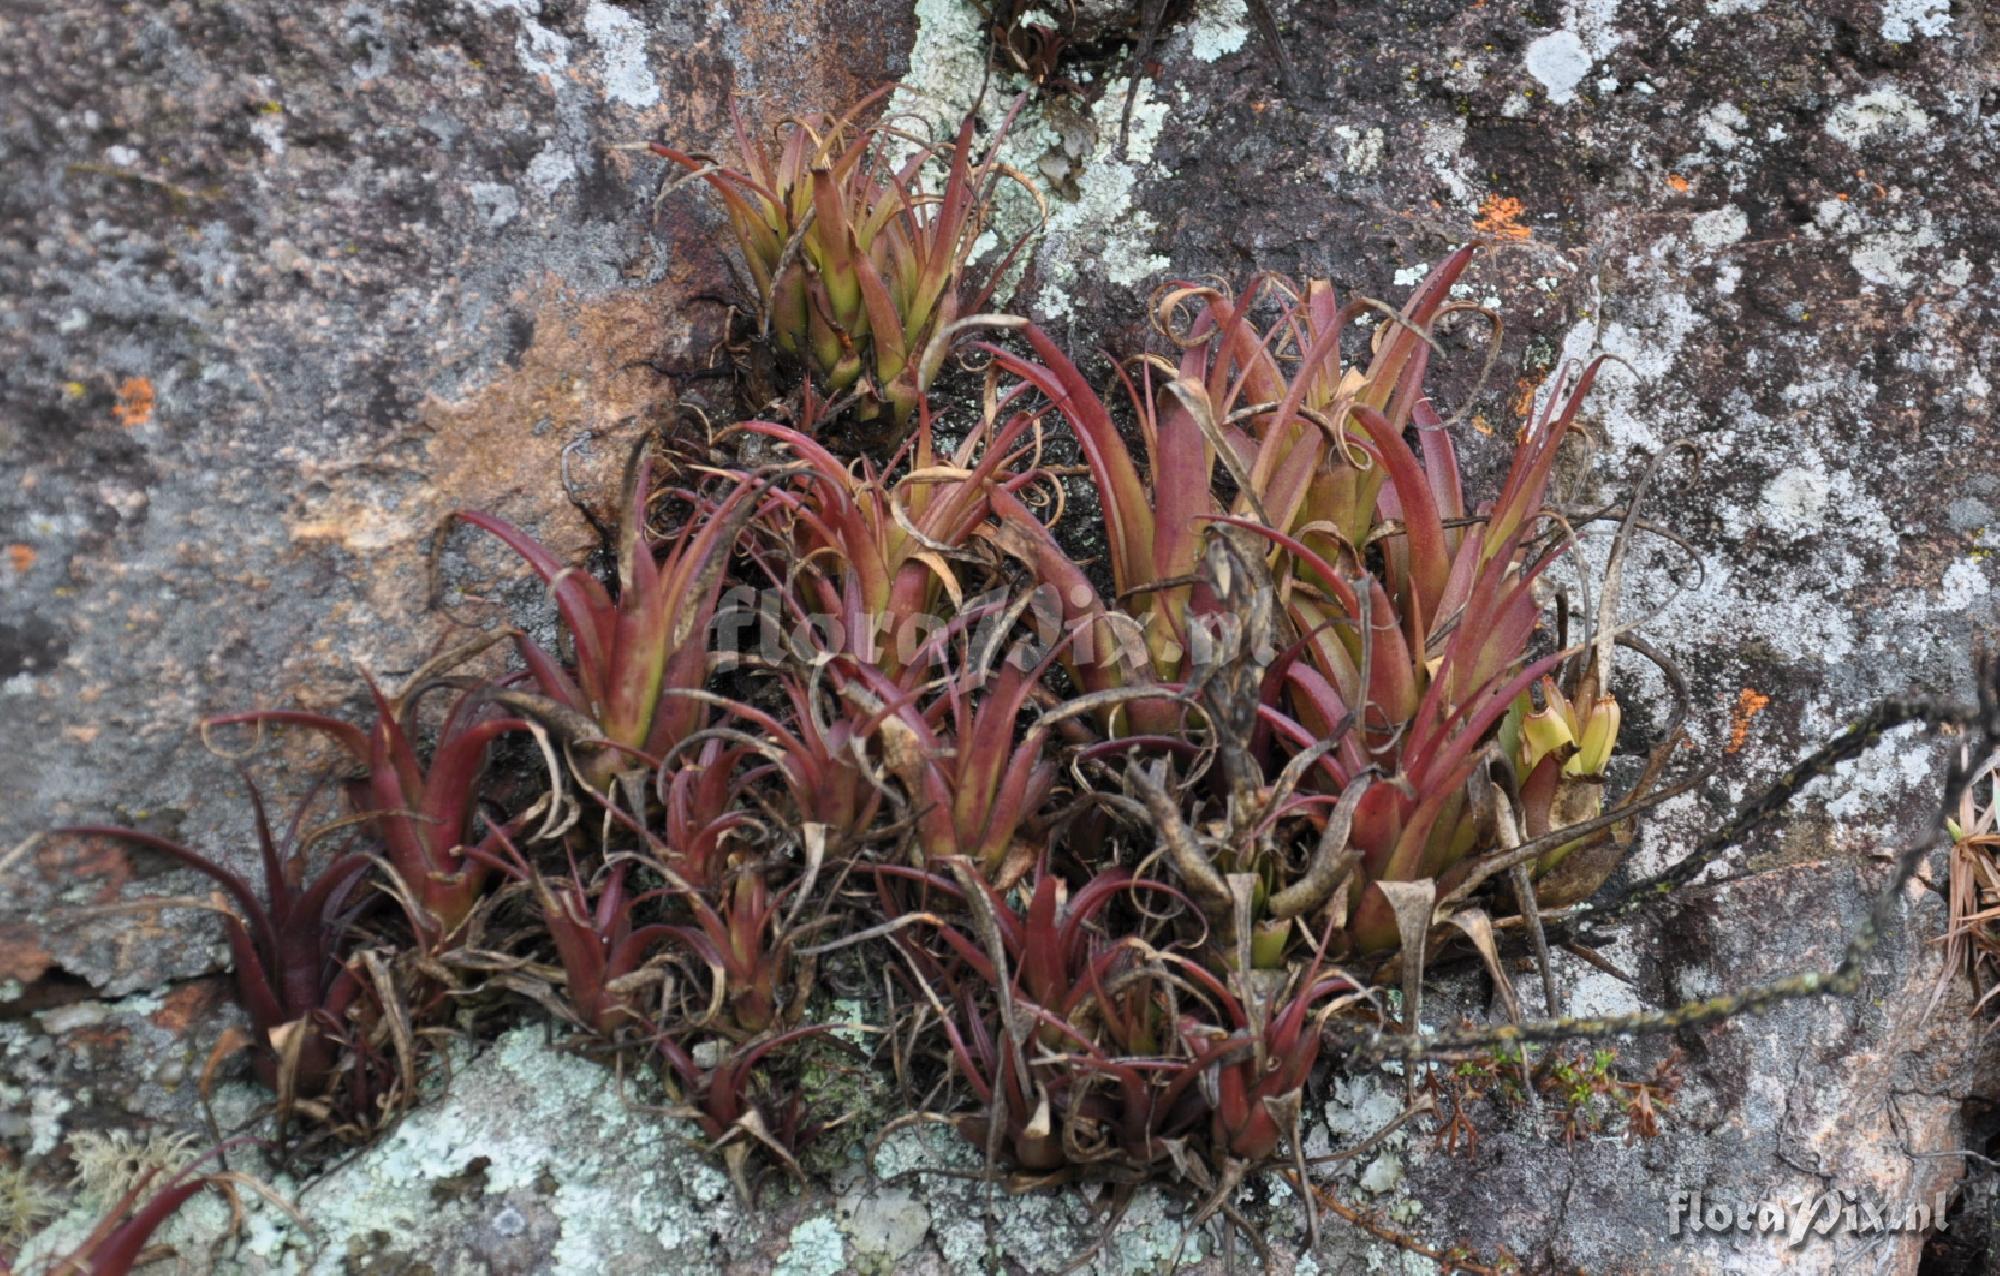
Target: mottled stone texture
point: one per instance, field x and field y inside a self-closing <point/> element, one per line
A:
<point x="285" y="284"/>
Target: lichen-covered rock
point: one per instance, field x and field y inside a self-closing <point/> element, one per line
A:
<point x="285" y="289"/>
<point x="533" y="1161"/>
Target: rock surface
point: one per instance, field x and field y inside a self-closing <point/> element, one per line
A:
<point x="285" y="287"/>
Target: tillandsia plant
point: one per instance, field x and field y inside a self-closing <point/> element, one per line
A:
<point x="1440" y="683"/>
<point x="291" y="949"/>
<point x="119" y="1242"/>
<point x="1065" y="1036"/>
<point x="1439" y="678"/>
<point x="703" y="789"/>
<point x="739" y="925"/>
<point x="874" y="554"/>
<point x="736" y="1106"/>
<point x="1153" y="528"/>
<point x="1338" y="656"/>
<point x="1261" y="1040"/>
<point x="747" y="945"/>
<point x="815" y="751"/>
<point x="425" y="814"/>
<point x="860" y="253"/>
<point x="604" y="951"/>
<point x="1140" y="834"/>
<point x="1241" y="867"/>
<point x="1972" y="941"/>
<point x="1093" y="1049"/>
<point x="620" y="698"/>
<point x="973" y="789"/>
<point x="1408" y="620"/>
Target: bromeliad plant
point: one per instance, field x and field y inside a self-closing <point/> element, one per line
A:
<point x="1279" y="430"/>
<point x="294" y="976"/>
<point x="1972" y="939"/>
<point x="1410" y="621"/>
<point x="747" y="947"/>
<point x="1256" y="1048"/>
<point x="425" y="815"/>
<point x="605" y="952"/>
<point x="1064" y="1034"/>
<point x="736" y="1106"/>
<point x="620" y="697"/>
<point x="874" y="554"/>
<point x="973" y="789"/>
<point x="1094" y="1051"/>
<point x="1444" y="651"/>
<point x="860" y="254"/>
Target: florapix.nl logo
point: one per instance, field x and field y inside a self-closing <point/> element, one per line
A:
<point x="1799" y="1218"/>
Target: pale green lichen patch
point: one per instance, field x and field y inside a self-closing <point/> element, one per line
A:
<point x="973" y="1223"/>
<point x="816" y="1249"/>
<point x="542" y="1118"/>
<point x="1361" y="1106"/>
<point x="886" y="1224"/>
<point x="1076" y="161"/>
<point x="1153" y="1237"/>
<point x="1356" y="1111"/>
<point x="523" y="1126"/>
<point x="1218" y="27"/>
<point x="1885" y="113"/>
<point x="1905" y="20"/>
<point x="1101" y="226"/>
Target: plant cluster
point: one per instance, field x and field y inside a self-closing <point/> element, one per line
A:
<point x="859" y="240"/>
<point x="1126" y="834"/>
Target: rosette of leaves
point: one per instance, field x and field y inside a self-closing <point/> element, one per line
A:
<point x="627" y="692"/>
<point x="860" y="242"/>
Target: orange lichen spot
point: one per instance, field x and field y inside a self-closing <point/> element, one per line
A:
<point x="1524" y="395"/>
<point x="1481" y="424"/>
<point x="20" y="557"/>
<point x="135" y="402"/>
<point x="187" y="1003"/>
<point x="23" y="960"/>
<point x="1678" y="182"/>
<point x="1749" y="703"/>
<point x="1500" y="217"/>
